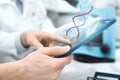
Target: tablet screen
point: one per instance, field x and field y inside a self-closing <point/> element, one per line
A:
<point x="97" y="41"/>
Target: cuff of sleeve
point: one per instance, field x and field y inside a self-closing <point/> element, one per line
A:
<point x="20" y="48"/>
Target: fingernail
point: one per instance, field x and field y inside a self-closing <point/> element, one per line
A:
<point x="67" y="47"/>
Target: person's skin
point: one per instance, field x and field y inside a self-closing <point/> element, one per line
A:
<point x="36" y="66"/>
<point x="41" y="39"/>
<point x="40" y="64"/>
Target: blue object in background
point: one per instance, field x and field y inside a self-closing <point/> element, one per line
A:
<point x="104" y="76"/>
<point x="104" y="51"/>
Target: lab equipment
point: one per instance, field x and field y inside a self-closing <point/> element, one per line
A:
<point x="91" y="51"/>
<point x="80" y="3"/>
<point x="104" y="76"/>
<point x="73" y="2"/>
<point x="88" y="33"/>
<point x="101" y="48"/>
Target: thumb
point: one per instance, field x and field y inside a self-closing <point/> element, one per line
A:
<point x="54" y="51"/>
<point x="36" y="44"/>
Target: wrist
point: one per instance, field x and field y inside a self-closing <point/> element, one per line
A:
<point x="12" y="71"/>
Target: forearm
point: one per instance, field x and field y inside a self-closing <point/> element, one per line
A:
<point x="11" y="71"/>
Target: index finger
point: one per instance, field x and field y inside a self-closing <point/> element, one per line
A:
<point x="60" y="39"/>
<point x="54" y="37"/>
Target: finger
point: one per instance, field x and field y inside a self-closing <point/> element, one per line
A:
<point x="51" y="44"/>
<point x="57" y="38"/>
<point x="64" y="61"/>
<point x="54" y="51"/>
<point x="61" y="39"/>
<point x="36" y="43"/>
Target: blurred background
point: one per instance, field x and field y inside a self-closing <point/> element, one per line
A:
<point x="78" y="69"/>
<point x="65" y="11"/>
<point x="101" y="54"/>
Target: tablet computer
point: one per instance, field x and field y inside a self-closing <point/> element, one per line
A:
<point x="104" y="24"/>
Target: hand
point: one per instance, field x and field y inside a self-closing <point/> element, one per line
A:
<point x="38" y="65"/>
<point x="43" y="67"/>
<point x="40" y="39"/>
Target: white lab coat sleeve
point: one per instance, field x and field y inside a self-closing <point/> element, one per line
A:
<point x="20" y="48"/>
<point x="11" y="42"/>
<point x="7" y="41"/>
<point x="47" y="26"/>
